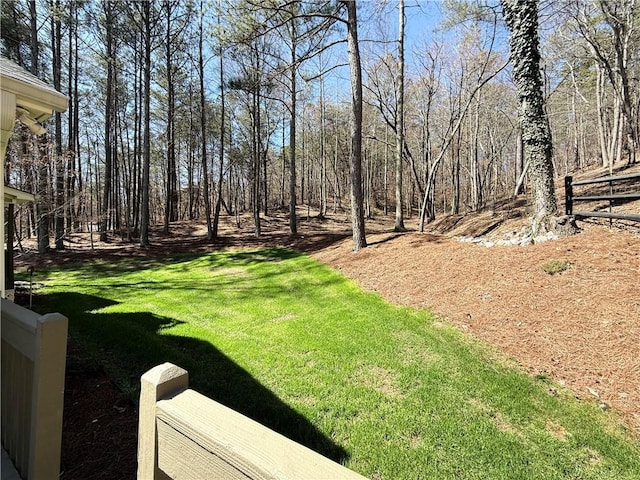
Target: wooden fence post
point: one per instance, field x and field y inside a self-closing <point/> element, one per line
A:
<point x="568" y="195"/>
<point x="160" y="382"/>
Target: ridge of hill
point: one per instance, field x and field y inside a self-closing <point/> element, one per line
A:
<point x="505" y="221"/>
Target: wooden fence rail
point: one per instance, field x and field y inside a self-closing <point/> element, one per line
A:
<point x="185" y="435"/>
<point x="570" y="198"/>
<point x="34" y="350"/>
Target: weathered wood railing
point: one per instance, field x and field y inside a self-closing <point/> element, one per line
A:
<point x="611" y="197"/>
<point x="185" y="435"/>
<point x="34" y="350"/>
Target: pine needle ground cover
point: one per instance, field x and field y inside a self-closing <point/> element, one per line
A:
<point x="390" y="392"/>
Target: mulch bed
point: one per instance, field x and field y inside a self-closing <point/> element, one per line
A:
<point x="100" y="423"/>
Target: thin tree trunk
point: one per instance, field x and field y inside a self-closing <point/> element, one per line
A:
<point x="70" y="209"/>
<point x="621" y="22"/>
<point x="355" y="170"/>
<point x="399" y="222"/>
<point x="146" y="140"/>
<point x="455" y="177"/>
<point x="59" y="218"/>
<point x="42" y="207"/>
<point x="203" y="131"/>
<point x="385" y="180"/>
<point x="35" y="46"/>
<point x="171" y="202"/>
<point x="293" y="227"/>
<point x="76" y="124"/>
<point x="284" y="160"/>
<point x="337" y="197"/>
<point x="109" y="123"/>
<point x="323" y="150"/>
<point x="137" y="129"/>
<point x="216" y="218"/>
<point x="476" y="185"/>
<point x="255" y="180"/>
<point x="604" y="152"/>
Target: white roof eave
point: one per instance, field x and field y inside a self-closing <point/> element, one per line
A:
<point x="15" y="196"/>
<point x="31" y="93"/>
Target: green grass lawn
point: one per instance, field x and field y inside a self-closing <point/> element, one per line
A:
<point x="390" y="392"/>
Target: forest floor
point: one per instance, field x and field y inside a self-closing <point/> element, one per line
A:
<point x="579" y="327"/>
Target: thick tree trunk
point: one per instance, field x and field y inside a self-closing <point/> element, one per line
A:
<point x="355" y="170"/>
<point x="522" y="20"/>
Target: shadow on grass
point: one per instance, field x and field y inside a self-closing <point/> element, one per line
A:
<point x="129" y="344"/>
<point x="228" y="270"/>
<point x="101" y="268"/>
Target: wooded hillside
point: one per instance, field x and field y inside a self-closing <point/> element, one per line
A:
<point x="190" y="110"/>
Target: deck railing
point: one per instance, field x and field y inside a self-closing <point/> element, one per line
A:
<point x="185" y="435"/>
<point x="34" y="350"/>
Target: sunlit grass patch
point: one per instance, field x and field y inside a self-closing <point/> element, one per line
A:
<point x="392" y="392"/>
